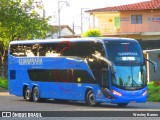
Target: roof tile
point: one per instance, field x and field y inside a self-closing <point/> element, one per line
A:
<point x="147" y="5"/>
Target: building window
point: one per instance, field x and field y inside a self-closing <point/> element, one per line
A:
<point x="136" y="19"/>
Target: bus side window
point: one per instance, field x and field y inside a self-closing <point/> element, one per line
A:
<point x="71" y="51"/>
<point x="17" y="50"/>
<point x="99" y="49"/>
<point x="83" y="49"/>
<point x="50" y="50"/>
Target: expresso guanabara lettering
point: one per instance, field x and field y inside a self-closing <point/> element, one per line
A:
<point x="127" y="53"/>
<point x="30" y="61"/>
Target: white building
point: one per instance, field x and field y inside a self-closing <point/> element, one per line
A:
<point x="65" y="31"/>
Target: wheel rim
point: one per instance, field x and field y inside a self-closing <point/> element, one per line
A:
<point x="36" y="95"/>
<point x="91" y="98"/>
<point x="27" y="94"/>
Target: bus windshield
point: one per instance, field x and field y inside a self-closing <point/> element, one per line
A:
<point x="129" y="64"/>
<point x="124" y="53"/>
<point x="130" y="77"/>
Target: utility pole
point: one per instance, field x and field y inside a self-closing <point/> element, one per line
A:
<point x="44" y="13"/>
<point x="59" y="17"/>
<point x="73" y="28"/>
<point x="82" y="19"/>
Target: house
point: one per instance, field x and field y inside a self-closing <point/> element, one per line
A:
<point x="139" y="20"/>
<point x="65" y="31"/>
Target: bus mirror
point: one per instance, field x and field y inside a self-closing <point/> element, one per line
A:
<point x="153" y="63"/>
<point x="155" y="68"/>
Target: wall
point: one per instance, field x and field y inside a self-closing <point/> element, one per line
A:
<point x="107" y="23"/>
<point x="150" y="21"/>
<point x="153" y="55"/>
<point x="148" y="30"/>
<point x="64" y="32"/>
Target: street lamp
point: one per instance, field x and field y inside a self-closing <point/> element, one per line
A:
<point x="82" y="19"/>
<point x="59" y="9"/>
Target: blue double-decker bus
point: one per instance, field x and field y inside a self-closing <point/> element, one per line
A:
<point x="94" y="70"/>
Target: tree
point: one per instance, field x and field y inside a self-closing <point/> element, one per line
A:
<point x="20" y="21"/>
<point x="92" y="33"/>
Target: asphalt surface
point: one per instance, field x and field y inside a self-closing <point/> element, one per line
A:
<point x="14" y="103"/>
<point x="68" y="108"/>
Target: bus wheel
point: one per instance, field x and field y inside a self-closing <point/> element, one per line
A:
<point x="122" y="104"/>
<point x="27" y="94"/>
<point x="36" y="95"/>
<point x="90" y="98"/>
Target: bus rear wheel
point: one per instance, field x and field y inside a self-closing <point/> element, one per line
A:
<point x="36" y="94"/>
<point x="27" y="94"/>
<point x="90" y="98"/>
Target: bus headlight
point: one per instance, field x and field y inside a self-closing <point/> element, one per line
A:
<point x="116" y="93"/>
<point x="144" y="93"/>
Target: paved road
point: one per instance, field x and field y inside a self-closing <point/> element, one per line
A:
<point x="13" y="103"/>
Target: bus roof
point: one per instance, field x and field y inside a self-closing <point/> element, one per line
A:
<point x="94" y="39"/>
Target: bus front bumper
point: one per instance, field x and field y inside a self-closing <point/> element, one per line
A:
<point x="140" y="99"/>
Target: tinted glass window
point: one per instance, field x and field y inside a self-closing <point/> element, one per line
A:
<point x="133" y="78"/>
<point x="47" y="75"/>
<point x="84" y="75"/>
<point x="128" y="53"/>
<point x="83" y="49"/>
<point x="64" y="48"/>
<point x="100" y="49"/>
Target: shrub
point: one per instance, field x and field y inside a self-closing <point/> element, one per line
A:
<point x="92" y="33"/>
<point x="4" y="83"/>
<point x="153" y="92"/>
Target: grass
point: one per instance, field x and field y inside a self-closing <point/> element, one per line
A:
<point x="4" y="83"/>
<point x="153" y="92"/>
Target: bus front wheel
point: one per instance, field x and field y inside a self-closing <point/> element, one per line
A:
<point x="36" y="95"/>
<point x="90" y="98"/>
<point x="27" y="94"/>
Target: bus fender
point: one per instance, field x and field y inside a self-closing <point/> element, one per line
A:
<point x="87" y="90"/>
<point x="33" y="86"/>
<point x="24" y="87"/>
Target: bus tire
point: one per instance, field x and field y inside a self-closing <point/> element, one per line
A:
<point x="90" y="98"/>
<point x="122" y="104"/>
<point x="27" y="94"/>
<point x="36" y="94"/>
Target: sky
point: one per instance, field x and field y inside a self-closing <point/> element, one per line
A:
<point x="72" y="13"/>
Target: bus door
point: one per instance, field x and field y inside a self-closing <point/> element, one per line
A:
<point x="105" y="83"/>
<point x="104" y="78"/>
